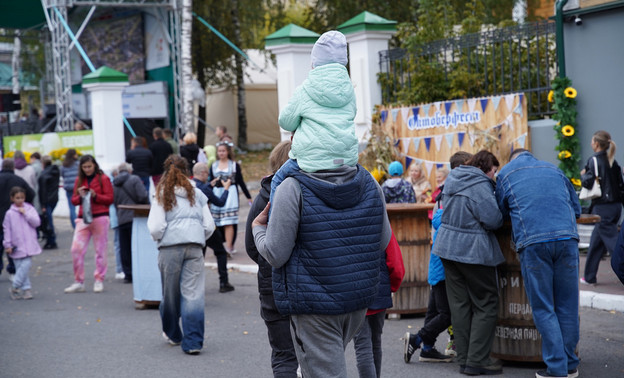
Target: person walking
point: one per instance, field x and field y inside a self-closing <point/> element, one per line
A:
<point x="69" y="173"/>
<point x="127" y="190"/>
<point x="8" y="180"/>
<point x="48" y="197"/>
<point x="20" y="241"/>
<point x="543" y="207"/>
<point x="92" y="191"/>
<point x="469" y="251"/>
<point x="215" y="242"/>
<point x="141" y="159"/>
<point x="160" y="151"/>
<point x="190" y="150"/>
<point x="608" y="206"/>
<point x="283" y="358"/>
<point x="180" y="222"/>
<point x="168" y="135"/>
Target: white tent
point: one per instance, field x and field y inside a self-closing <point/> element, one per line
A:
<point x="261" y="104"/>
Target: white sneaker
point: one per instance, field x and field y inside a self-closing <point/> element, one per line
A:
<point x="76" y="287"/>
<point x="171" y="342"/>
<point x="120" y="276"/>
<point x="98" y="287"/>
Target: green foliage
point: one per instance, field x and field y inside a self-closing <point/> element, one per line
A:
<point x="569" y="146"/>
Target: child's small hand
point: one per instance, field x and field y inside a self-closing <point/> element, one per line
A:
<point x="8" y="250"/>
<point x="21" y="210"/>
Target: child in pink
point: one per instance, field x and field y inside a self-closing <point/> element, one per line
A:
<point x="20" y="241"/>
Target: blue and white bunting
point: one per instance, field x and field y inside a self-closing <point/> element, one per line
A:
<point x="449" y="139"/>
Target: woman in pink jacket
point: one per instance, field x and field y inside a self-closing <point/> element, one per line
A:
<point x="20" y="241"/>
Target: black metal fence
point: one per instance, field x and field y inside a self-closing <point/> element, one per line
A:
<point x="499" y="61"/>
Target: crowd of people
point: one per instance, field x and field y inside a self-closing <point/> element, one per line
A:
<point x="320" y="234"/>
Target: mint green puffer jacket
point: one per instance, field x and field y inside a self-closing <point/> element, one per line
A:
<point x="321" y="114"/>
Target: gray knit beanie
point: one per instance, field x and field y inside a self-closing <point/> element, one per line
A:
<point x="331" y="47"/>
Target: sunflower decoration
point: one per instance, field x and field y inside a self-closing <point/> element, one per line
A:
<point x="567" y="130"/>
<point x="563" y="97"/>
<point x="570" y="92"/>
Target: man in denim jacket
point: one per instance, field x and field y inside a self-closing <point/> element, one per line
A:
<point x="543" y="207"/>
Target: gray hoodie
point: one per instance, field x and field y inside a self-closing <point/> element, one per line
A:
<point x="470" y="215"/>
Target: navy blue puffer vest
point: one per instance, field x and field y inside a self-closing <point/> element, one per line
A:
<point x="334" y="267"/>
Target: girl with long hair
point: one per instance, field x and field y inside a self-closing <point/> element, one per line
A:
<point x="226" y="217"/>
<point x="94" y="187"/>
<point x="608" y="205"/>
<point x="180" y="222"/>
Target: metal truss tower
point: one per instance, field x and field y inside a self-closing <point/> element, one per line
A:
<point x="61" y="42"/>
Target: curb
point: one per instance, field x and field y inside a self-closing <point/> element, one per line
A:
<point x="608" y="302"/>
<point x="245" y="268"/>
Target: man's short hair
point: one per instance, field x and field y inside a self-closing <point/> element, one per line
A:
<point x="8" y="164"/>
<point x="125" y="167"/>
<point x="222" y="128"/>
<point x="199" y="168"/>
<point x="459" y="158"/>
<point x="167" y="132"/>
<point x="46" y="160"/>
<point x="516" y="152"/>
<point x="157" y="132"/>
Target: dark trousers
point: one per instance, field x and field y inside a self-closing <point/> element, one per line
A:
<point x="11" y="265"/>
<point x="473" y="299"/>
<point x="125" y="248"/>
<point x="438" y="316"/>
<point x="47" y="225"/>
<point x="283" y="357"/>
<point x="215" y="242"/>
<point x="603" y="237"/>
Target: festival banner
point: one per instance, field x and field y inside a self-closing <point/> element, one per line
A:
<point x="486" y="122"/>
<point x="53" y="144"/>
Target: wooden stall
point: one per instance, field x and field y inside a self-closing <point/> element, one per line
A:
<point x="410" y="223"/>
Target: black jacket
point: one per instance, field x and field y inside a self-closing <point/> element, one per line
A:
<point x="160" y="152"/>
<point x="190" y="152"/>
<point x="49" y="185"/>
<point x="8" y="179"/>
<point x="141" y="160"/>
<point x="265" y="271"/>
<point x="610" y="178"/>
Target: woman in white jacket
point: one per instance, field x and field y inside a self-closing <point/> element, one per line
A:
<point x="180" y="222"/>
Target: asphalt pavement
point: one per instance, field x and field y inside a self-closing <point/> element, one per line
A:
<point x="104" y="335"/>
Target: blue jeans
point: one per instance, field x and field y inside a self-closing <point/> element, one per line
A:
<point x="550" y="273"/>
<point x="182" y="274"/>
<point x="72" y="208"/>
<point x="367" y="344"/>
<point x="21" y="279"/>
<point x="118" y="266"/>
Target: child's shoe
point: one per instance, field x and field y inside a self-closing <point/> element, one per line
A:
<point x="27" y="294"/>
<point x="15" y="293"/>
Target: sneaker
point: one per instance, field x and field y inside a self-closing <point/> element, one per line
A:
<point x="27" y="294"/>
<point x="573" y="373"/>
<point x="15" y="293"/>
<point x="193" y="352"/>
<point x="76" y="287"/>
<point x="412" y="342"/>
<point x="171" y="342"/>
<point x="120" y="276"/>
<point x="432" y="355"/>
<point x="450" y="349"/>
<point x="226" y="287"/>
<point x="50" y="246"/>
<point x="98" y="287"/>
<point x="545" y="374"/>
<point x="582" y="281"/>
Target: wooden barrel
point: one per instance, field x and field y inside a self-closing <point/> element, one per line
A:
<point x="516" y="337"/>
<point x="410" y="223"/>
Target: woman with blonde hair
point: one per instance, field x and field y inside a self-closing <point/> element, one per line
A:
<point x="180" y="222"/>
<point x="608" y="205"/>
<point x="422" y="186"/>
<point x="190" y="150"/>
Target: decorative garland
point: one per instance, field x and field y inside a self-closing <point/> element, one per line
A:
<point x="563" y="96"/>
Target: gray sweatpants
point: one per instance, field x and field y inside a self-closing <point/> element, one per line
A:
<point x="320" y="342"/>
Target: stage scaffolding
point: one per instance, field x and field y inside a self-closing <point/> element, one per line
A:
<point x="57" y="54"/>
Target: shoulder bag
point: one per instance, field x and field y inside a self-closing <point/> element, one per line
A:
<point x="595" y="191"/>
